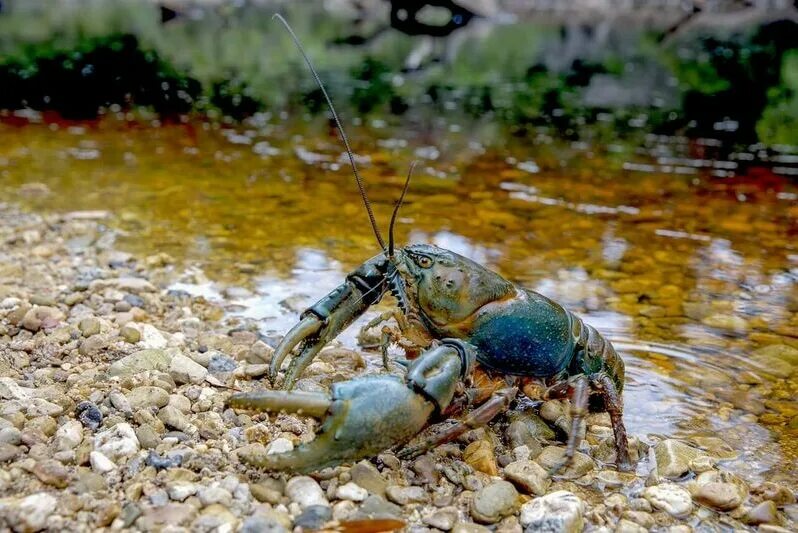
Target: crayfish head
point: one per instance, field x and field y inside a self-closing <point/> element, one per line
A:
<point x="445" y="288"/>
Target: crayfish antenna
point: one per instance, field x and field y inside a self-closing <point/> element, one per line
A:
<point x="397" y="206"/>
<point x="340" y="127"/>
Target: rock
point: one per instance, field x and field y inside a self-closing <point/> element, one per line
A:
<point x="51" y="472"/>
<point x="779" y="494"/>
<point x="89" y="326"/>
<point x="670" y="498"/>
<point x="558" y="512"/>
<point x="778" y="360"/>
<point x="406" y="495"/>
<point x="305" y="491"/>
<point x="93" y="345"/>
<point x="313" y="517"/>
<point x="151" y="337"/>
<point x="10" y="390"/>
<point x="89" y="415"/>
<point x="268" y="490"/>
<point x="41" y="317"/>
<point x="351" y="491"/>
<point x="627" y="526"/>
<point x="180" y="490"/>
<point x="469" y="527"/>
<point x="11" y="435"/>
<point x="29" y="513"/>
<point x="674" y="457"/>
<point x="40" y="407"/>
<point x="528" y="476"/>
<point x="763" y="513"/>
<point x="172" y="417"/>
<point x="141" y="361"/>
<point x="536" y="426"/>
<point x="147" y="397"/>
<point x="443" y="519"/>
<point x="221" y="364"/>
<point x="367" y="476"/>
<point x="100" y="463"/>
<point x="68" y="435"/>
<point x="479" y="455"/>
<point x="519" y="434"/>
<point x="162" y="463"/>
<point x="375" y="507"/>
<point x="493" y="502"/>
<point x="9" y="452"/>
<point x="719" y="495"/>
<point x="729" y="323"/>
<point x="554" y="456"/>
<point x="279" y="445"/>
<point x="260" y="523"/>
<point x="185" y="370"/>
<point x="213" y="494"/>
<point x="147" y="436"/>
<point x="130" y="334"/>
<point x="159" y="517"/>
<point x="119" y="442"/>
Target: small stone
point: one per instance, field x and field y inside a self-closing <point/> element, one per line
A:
<point x="268" y="490"/>
<point x="147" y="397"/>
<point x="89" y="415"/>
<point x="670" y="498"/>
<point x="351" y="491"/>
<point x="9" y="452"/>
<point x="554" y="456"/>
<point x="493" y="502"/>
<point x="260" y="523"/>
<point x="30" y="513"/>
<point x="558" y="512"/>
<point x="367" y="476"/>
<point x="443" y="519"/>
<point x="130" y="334"/>
<point x="627" y="526"/>
<point x="520" y="434"/>
<point x="719" y="495"/>
<point x="305" y="491"/>
<point x="221" y="364"/>
<point x="141" y="361"/>
<point x="479" y="455"/>
<point x="162" y="463"/>
<point x="172" y="417"/>
<point x="406" y="495"/>
<point x="51" y="472"/>
<point x="528" y="476"/>
<point x="375" y="507"/>
<point x="763" y="513"/>
<point x="89" y="326"/>
<point x="119" y="442"/>
<point x="185" y="370"/>
<point x="147" y="436"/>
<point x="180" y="490"/>
<point x="100" y="463"/>
<point x="11" y="435"/>
<point x="279" y="445"/>
<point x="469" y="527"/>
<point x="674" y="457"/>
<point x="779" y="494"/>
<point x="215" y="518"/>
<point x="212" y="495"/>
<point x="730" y="323"/>
<point x="68" y="435"/>
<point x="313" y="517"/>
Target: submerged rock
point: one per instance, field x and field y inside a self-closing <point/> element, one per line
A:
<point x="494" y="502"/>
<point x="558" y="512"/>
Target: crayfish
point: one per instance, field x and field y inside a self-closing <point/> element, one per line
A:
<point x="462" y="319"/>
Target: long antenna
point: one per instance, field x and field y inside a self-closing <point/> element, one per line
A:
<point x="397" y="206"/>
<point x="358" y="179"/>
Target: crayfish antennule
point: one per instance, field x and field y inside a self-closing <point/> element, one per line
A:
<point x="397" y="206"/>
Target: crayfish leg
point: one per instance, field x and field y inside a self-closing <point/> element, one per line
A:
<point x="613" y="403"/>
<point x="496" y="404"/>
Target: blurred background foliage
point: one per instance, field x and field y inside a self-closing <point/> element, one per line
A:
<point x="580" y="75"/>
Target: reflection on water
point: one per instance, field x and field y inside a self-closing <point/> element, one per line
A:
<point x="691" y="274"/>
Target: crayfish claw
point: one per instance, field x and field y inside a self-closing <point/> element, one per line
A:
<point x="308" y="326"/>
<point x="361" y="418"/>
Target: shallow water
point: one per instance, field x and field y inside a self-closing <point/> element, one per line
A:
<point x="690" y="273"/>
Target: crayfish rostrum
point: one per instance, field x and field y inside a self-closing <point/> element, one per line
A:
<point x="455" y="317"/>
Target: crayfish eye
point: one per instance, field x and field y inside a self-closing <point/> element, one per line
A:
<point x="424" y="261"/>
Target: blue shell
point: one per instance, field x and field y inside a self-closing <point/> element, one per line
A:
<point x="529" y="337"/>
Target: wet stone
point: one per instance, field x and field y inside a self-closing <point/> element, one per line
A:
<point x="367" y="476"/>
<point x="406" y="495"/>
<point x="377" y="507"/>
<point x="670" y="498"/>
<point x="305" y="491"/>
<point x="558" y="512"/>
<point x="719" y="495"/>
<point x="528" y="476"/>
<point x="443" y="519"/>
<point x="673" y="458"/>
<point x="765" y="512"/>
<point x="260" y="523"/>
<point x="554" y="456"/>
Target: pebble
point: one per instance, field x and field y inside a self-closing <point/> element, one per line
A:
<point x="305" y="491"/>
<point x="479" y="455"/>
<point x="765" y="512"/>
<point x="89" y="326"/>
<point x="351" y="491"/>
<point x="673" y="458"/>
<point x="180" y="490"/>
<point x="185" y="370"/>
<point x="68" y="435"/>
<point x="554" y="456"/>
<point x="29" y="513"/>
<point x="494" y="502"/>
<point x="528" y="476"/>
<point x="367" y="476"/>
<point x="279" y="445"/>
<point x="670" y="498"/>
<point x="212" y="495"/>
<point x="375" y="507"/>
<point x="469" y="527"/>
<point x="558" y="512"/>
<point x="100" y="463"/>
<point x="313" y="517"/>
<point x="130" y="334"/>
<point x="147" y="397"/>
<point x="719" y="495"/>
<point x="443" y="519"/>
<point x="260" y="523"/>
<point x="406" y="495"/>
<point x="89" y="415"/>
<point x="141" y="361"/>
<point x="118" y="442"/>
<point x="174" y="418"/>
<point x="51" y="472"/>
<point x="215" y="518"/>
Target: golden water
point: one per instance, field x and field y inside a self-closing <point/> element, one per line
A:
<point x="690" y="274"/>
